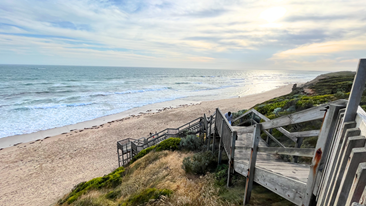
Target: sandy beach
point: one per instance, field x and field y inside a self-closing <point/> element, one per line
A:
<point x="41" y="171"/>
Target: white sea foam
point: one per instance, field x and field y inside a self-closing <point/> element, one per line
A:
<point x="38" y="99"/>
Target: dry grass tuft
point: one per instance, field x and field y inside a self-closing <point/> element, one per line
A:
<point x="166" y="173"/>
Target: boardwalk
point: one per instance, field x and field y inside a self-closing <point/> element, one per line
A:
<point x="336" y="175"/>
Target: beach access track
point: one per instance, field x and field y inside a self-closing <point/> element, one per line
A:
<point x="337" y="173"/>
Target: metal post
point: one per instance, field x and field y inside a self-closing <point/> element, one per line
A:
<point x="356" y="92"/>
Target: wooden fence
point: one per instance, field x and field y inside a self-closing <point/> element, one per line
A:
<point x="337" y="173"/>
<point x="128" y="148"/>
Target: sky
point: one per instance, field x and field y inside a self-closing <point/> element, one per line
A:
<point x="327" y="35"/>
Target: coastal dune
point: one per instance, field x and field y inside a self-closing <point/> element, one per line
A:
<point x="41" y="172"/>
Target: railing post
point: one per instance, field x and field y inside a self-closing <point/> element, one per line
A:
<point x="208" y="133"/>
<point x="322" y="146"/>
<point x="356" y="92"/>
<point x="119" y="159"/>
<point x="214" y="134"/>
<point x="298" y="144"/>
<point x="231" y="158"/>
<point x="252" y="161"/>
<point x="214" y="138"/>
<point x="220" y="145"/>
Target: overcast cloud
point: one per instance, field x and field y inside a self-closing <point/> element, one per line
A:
<point x="232" y="34"/>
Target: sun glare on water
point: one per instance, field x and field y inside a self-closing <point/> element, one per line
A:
<point x="273" y="14"/>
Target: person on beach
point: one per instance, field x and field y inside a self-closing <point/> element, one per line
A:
<point x="228" y="116"/>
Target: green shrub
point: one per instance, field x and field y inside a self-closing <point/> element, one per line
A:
<point x="191" y="142"/>
<point x="114" y="194"/>
<point x="108" y="181"/>
<point x="199" y="163"/>
<point x="221" y="175"/>
<point x="168" y="144"/>
<point x="146" y="195"/>
<point x="87" y="202"/>
<point x="142" y="153"/>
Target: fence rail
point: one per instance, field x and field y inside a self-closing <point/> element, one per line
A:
<point x="128" y="148"/>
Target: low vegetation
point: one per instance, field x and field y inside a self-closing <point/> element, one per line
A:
<point x="179" y="171"/>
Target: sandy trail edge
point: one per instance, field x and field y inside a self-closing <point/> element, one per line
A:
<point x="41" y="172"/>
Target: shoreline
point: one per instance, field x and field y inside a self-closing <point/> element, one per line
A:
<point x="15" y="140"/>
<point x="41" y="172"/>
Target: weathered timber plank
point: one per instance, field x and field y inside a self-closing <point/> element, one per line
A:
<point x="325" y="179"/>
<point x="231" y="158"/>
<point x="273" y="138"/>
<point x="356" y="92"/>
<point x="358" y="185"/>
<point x="252" y="162"/>
<point x="352" y="142"/>
<point x="302" y="152"/>
<point x="287" y="188"/>
<point x="290" y="188"/>
<point x="322" y="147"/>
<point x="363" y="197"/>
<point x="298" y="117"/>
<point x="332" y="165"/>
<point x="361" y="120"/>
<point x="290" y="170"/>
<point x="341" y="161"/>
<point x="358" y="155"/>
<point x="310" y="133"/>
<point x="280" y="129"/>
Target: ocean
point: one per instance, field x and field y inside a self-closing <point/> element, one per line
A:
<point x="34" y="98"/>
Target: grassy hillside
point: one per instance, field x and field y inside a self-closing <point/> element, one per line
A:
<point x="167" y="177"/>
<point x="176" y="172"/>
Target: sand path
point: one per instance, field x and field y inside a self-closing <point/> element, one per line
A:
<point x="41" y="172"/>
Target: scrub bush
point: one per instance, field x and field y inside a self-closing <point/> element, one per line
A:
<point x="199" y="163"/>
<point x="168" y="144"/>
<point x="191" y="142"/>
<point x="146" y="195"/>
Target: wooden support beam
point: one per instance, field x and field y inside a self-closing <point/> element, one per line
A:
<point x="358" y="186"/>
<point x="363" y="197"/>
<point x="351" y="142"/>
<point x="358" y="155"/>
<point x="313" y="113"/>
<point x="252" y="161"/>
<point x="302" y="152"/>
<point x="220" y="145"/>
<point x="325" y="179"/>
<point x="290" y="189"/>
<point x="332" y="165"/>
<point x="310" y="133"/>
<point x="119" y="158"/>
<point x="214" y="138"/>
<point x="273" y="138"/>
<point x="356" y="92"/>
<point x="231" y="158"/>
<point x="322" y="146"/>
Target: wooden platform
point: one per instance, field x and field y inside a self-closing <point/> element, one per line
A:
<point x="284" y="178"/>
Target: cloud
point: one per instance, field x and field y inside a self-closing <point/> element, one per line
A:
<point x="323" y="49"/>
<point x="186" y="33"/>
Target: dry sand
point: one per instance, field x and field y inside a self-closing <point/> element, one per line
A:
<point x="41" y="172"/>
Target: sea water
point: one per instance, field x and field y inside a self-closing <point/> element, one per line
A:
<point x="34" y="98"/>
